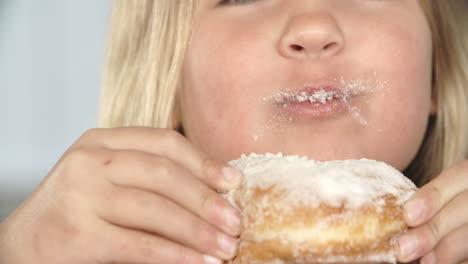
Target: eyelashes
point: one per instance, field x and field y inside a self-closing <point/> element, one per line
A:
<point x="244" y="2"/>
<point x="235" y="2"/>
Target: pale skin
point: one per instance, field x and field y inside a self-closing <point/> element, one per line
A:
<point x="142" y="195"/>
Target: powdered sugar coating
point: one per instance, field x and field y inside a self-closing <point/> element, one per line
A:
<point x="348" y="183"/>
<point x="278" y="193"/>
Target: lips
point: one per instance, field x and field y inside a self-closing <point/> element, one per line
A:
<point x="310" y="94"/>
<point x="314" y="101"/>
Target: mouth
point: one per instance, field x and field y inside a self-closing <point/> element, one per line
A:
<point x="318" y="101"/>
<point x="309" y="94"/>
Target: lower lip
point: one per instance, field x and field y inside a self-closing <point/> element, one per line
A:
<point x="317" y="110"/>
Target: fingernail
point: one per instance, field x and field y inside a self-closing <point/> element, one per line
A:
<point x="406" y="247"/>
<point x="211" y="260"/>
<point x="414" y="210"/>
<point x="227" y="244"/>
<point x="231" y="174"/>
<point x="429" y="258"/>
<point x="233" y="219"/>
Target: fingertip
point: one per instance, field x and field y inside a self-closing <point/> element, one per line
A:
<point x="414" y="211"/>
<point x="406" y="248"/>
<point x="232" y="219"/>
<point x="211" y="260"/>
<point x="220" y="176"/>
<point x="228" y="246"/>
<point x="232" y="177"/>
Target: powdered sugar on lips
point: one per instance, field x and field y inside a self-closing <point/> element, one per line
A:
<point x="319" y="96"/>
<point x="315" y="101"/>
<point x="321" y="100"/>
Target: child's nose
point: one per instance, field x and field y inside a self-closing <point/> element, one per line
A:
<point x="311" y="36"/>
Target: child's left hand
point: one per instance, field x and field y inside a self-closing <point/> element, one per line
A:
<point x="438" y="217"/>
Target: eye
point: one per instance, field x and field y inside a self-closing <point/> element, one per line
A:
<point x="235" y="2"/>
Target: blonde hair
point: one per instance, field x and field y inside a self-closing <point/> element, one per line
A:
<point x="145" y="55"/>
<point x="147" y="45"/>
<point x="446" y="141"/>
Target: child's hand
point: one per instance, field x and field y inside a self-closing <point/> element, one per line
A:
<point x="128" y="195"/>
<point x="438" y="214"/>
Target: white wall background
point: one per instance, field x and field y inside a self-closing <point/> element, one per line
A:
<point x="51" y="57"/>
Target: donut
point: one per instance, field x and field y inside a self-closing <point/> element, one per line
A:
<point x="296" y="210"/>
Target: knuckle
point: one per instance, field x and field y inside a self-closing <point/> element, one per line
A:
<point x="77" y="154"/>
<point x="207" y="201"/>
<point x="206" y="235"/>
<point x="162" y="167"/>
<point x="435" y="196"/>
<point x="76" y="159"/>
<point x="85" y="155"/>
<point x="434" y="228"/>
<point x="81" y="162"/>
<point x="92" y="133"/>
<point x="211" y="172"/>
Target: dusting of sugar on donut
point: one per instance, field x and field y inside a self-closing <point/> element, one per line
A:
<point x="332" y="201"/>
<point x="350" y="183"/>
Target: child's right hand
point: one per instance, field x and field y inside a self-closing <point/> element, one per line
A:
<point x="126" y="195"/>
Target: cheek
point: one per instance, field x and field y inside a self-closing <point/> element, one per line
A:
<point x="410" y="78"/>
<point x="216" y="102"/>
<point x="404" y="104"/>
<point x="220" y="101"/>
<point x="217" y="73"/>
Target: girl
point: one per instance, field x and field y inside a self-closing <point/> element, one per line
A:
<point x="228" y="76"/>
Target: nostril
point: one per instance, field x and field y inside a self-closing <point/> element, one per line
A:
<point x="329" y="46"/>
<point x="297" y="47"/>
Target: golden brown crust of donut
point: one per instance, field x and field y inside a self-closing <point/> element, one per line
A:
<point x="280" y="226"/>
<point x="369" y="232"/>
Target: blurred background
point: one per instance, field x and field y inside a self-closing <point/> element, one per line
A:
<point x="51" y="56"/>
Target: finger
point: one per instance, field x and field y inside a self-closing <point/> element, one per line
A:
<point x="433" y="196"/>
<point x="452" y="249"/>
<point x="141" y="210"/>
<point x="170" y="144"/>
<point x="419" y="241"/>
<point x="130" y="246"/>
<point x="134" y="169"/>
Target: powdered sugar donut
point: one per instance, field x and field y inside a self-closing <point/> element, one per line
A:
<point x="296" y="210"/>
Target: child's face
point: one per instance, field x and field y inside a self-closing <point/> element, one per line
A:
<point x="372" y="58"/>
